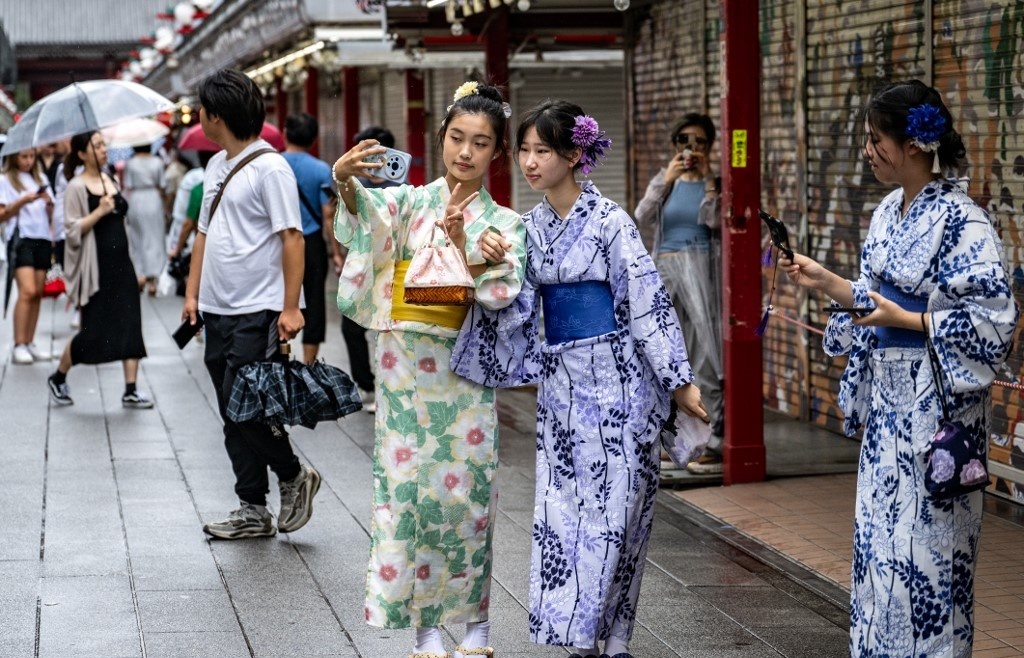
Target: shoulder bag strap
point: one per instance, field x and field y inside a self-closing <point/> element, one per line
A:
<point x="249" y="158"/>
<point x="317" y="217"/>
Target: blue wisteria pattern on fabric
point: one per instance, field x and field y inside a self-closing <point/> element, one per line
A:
<point x="601" y="403"/>
<point x="912" y="587"/>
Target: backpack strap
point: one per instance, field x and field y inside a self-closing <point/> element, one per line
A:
<point x="249" y="158"/>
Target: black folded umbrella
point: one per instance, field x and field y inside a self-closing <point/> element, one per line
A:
<point x="288" y="392"/>
<point x="12" y="248"/>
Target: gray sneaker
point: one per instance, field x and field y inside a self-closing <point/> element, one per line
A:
<point x="242" y="523"/>
<point x="297" y="500"/>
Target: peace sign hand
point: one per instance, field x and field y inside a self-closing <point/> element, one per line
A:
<point x="453" y="221"/>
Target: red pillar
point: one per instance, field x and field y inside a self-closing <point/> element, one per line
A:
<point x="312" y="97"/>
<point x="280" y="101"/>
<point x="496" y="60"/>
<point x="350" y="102"/>
<point x="744" y="455"/>
<point x="415" y="125"/>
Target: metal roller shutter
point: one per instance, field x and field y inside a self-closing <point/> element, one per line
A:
<point x="783" y="154"/>
<point x="392" y="105"/>
<point x="601" y="93"/>
<point x="851" y="49"/>
<point x="441" y="87"/>
<point x="977" y="61"/>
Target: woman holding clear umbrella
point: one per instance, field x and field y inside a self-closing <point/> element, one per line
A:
<point x="99" y="273"/>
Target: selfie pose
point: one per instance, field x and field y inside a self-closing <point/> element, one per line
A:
<point x="436" y="438"/>
<point x="611" y="359"/>
<point x="931" y="278"/>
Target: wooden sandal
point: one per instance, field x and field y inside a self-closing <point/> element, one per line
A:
<point x="487" y="652"/>
<point x="430" y="654"/>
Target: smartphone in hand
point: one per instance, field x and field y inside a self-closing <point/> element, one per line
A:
<point x="857" y="310"/>
<point x="778" y="232"/>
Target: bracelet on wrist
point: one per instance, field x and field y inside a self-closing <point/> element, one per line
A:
<point x="343" y="183"/>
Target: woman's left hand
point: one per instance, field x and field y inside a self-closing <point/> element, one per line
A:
<point x="688" y="399"/>
<point x="493" y="247"/>
<point x="888" y="314"/>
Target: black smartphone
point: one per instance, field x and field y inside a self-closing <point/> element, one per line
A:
<point x="778" y="232"/>
<point x="860" y="310"/>
<point x="184" y="333"/>
<point x="42" y="188"/>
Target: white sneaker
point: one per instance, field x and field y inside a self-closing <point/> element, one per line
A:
<point x="21" y="355"/>
<point x="39" y="354"/>
<point x="369" y="401"/>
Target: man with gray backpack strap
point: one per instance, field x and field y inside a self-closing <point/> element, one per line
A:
<point x="246" y="279"/>
<point x="313" y="179"/>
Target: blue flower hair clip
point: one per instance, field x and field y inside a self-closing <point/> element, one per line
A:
<point x="925" y="128"/>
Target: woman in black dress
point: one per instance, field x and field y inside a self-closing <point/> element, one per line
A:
<point x="100" y="277"/>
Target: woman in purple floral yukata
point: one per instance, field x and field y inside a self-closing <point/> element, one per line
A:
<point x="611" y="359"/>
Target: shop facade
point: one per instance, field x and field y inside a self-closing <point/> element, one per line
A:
<point x="820" y="62"/>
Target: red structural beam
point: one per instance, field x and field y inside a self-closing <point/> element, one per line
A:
<point x="312" y="98"/>
<point x="350" y="103"/>
<point x="496" y="61"/>
<point x="743" y="454"/>
<point x="416" y="125"/>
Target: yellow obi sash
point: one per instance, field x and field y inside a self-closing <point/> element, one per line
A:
<point x="444" y="316"/>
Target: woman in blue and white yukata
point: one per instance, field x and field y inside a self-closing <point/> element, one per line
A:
<point x="932" y="269"/>
<point x="611" y="358"/>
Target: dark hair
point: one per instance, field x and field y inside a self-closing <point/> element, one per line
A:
<point x="231" y="96"/>
<point x="554" y="121"/>
<point x="143" y="148"/>
<point x="702" y="121"/>
<point x="379" y="133"/>
<point x="301" y="129"/>
<point x="889" y="107"/>
<point x="204" y="158"/>
<point x="487" y="101"/>
<point x="79" y="142"/>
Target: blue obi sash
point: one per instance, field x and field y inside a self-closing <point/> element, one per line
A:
<point x="896" y="336"/>
<point x="577" y="310"/>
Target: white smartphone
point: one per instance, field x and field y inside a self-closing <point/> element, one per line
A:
<point x="394" y="165"/>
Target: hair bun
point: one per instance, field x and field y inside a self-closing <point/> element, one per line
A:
<point x="490" y="92"/>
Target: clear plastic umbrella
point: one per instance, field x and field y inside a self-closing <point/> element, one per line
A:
<point x="81" y="107"/>
<point x="139" y="131"/>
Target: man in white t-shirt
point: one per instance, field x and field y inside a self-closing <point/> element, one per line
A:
<point x="246" y="279"/>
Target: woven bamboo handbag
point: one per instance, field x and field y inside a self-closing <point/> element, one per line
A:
<point x="438" y="275"/>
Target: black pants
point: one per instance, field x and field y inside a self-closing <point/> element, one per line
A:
<point x="233" y="341"/>
<point x="314" y="290"/>
<point x="358" y="353"/>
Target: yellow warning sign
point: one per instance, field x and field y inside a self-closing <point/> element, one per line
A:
<point x="739" y="148"/>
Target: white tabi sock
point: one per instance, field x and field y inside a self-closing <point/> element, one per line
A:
<point x="478" y="633"/>
<point x="615" y="645"/>
<point x="428" y="640"/>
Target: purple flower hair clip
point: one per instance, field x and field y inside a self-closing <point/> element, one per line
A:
<point x="587" y="135"/>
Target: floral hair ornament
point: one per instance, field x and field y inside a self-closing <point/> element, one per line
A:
<point x="587" y="135"/>
<point x="471" y="88"/>
<point x="925" y="128"/>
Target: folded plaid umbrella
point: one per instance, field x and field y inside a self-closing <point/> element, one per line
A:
<point x="288" y="392"/>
